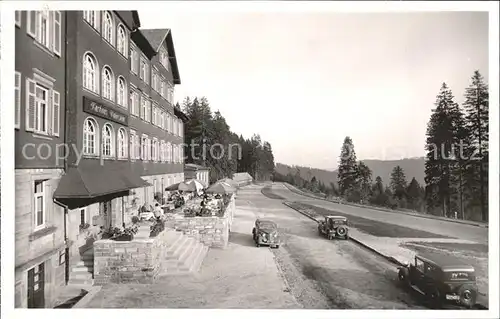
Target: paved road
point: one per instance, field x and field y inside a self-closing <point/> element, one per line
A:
<point x="328" y="274"/>
<point x="462" y="231"/>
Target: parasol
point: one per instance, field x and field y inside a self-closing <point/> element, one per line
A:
<point x="173" y="187"/>
<point x="191" y="186"/>
<point x="221" y="188"/>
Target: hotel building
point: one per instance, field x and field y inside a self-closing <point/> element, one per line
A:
<point x="97" y="91"/>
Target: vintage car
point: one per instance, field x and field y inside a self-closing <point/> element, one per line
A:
<point x="333" y="227"/>
<point x="266" y="232"/>
<point x="442" y="279"/>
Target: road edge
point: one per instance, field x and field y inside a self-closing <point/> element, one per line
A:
<point x="388" y="210"/>
<point x="387" y="257"/>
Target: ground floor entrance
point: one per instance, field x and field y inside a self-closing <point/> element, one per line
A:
<point x="36" y="286"/>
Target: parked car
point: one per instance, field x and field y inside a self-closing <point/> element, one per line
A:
<point x="266" y="232"/>
<point x="334" y="227"/>
<point x="443" y="279"/>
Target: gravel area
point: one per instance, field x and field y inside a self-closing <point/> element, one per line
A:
<point x="323" y="274"/>
<point x="267" y="191"/>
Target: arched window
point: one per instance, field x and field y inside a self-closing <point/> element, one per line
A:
<point x="90" y="137"/>
<point x="108" y="84"/>
<point x="107" y="141"/>
<point x="121" y="94"/>
<point x="122" y="144"/>
<point x="92" y="17"/>
<point x="121" y="42"/>
<point x="108" y="30"/>
<point x="90" y="74"/>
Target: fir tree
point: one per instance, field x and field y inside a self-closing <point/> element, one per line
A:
<point x="439" y="158"/>
<point x="398" y="183"/>
<point x="347" y="171"/>
<point x="476" y="107"/>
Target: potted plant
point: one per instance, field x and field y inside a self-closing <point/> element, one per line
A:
<point x="111" y="233"/>
<point x="157" y="228"/>
<point x="127" y="234"/>
<point x="82" y="227"/>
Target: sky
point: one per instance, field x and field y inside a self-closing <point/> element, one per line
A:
<point x="305" y="80"/>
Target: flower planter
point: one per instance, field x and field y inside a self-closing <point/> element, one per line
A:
<point x="124" y="237"/>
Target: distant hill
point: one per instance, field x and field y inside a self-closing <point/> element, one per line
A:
<point x="413" y="167"/>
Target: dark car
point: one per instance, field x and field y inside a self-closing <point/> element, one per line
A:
<point x="443" y="279"/>
<point x="266" y="232"/>
<point x="334" y="227"/>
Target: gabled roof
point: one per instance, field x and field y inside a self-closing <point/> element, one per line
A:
<point x="156" y="37"/>
<point x="242" y="177"/>
<point x="130" y="18"/>
<point x="192" y="166"/>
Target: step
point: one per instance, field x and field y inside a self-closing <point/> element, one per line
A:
<point x="84" y="263"/>
<point x="173" y="249"/>
<point x="87" y="256"/>
<point x="193" y="255"/>
<point x="198" y="261"/>
<point x="187" y="249"/>
<point x="82" y="269"/>
<point x="80" y="275"/>
<point x="177" y="248"/>
<point x="88" y="252"/>
<point x="81" y="282"/>
<point x="417" y="289"/>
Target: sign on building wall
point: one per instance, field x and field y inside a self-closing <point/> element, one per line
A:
<point x="104" y="111"/>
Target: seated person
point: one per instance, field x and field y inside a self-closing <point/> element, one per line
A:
<point x="158" y="212"/>
<point x="145" y="208"/>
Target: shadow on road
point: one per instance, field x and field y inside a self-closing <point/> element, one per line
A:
<point x="241" y="239"/>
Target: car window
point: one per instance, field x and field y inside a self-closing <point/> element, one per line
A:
<point x="429" y="268"/>
<point x="419" y="264"/>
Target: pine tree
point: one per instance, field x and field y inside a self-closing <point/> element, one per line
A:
<point x="476" y="107"/>
<point x="398" y="183"/>
<point x="414" y="194"/>
<point x="364" y="180"/>
<point x="459" y="160"/>
<point x="347" y="171"/>
<point x="439" y="158"/>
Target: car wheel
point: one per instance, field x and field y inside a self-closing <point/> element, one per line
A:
<point x="257" y="245"/>
<point x="341" y="231"/>
<point x="403" y="276"/>
<point x="347" y="237"/>
<point x="277" y="246"/>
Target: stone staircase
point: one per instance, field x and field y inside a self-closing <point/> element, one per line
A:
<point x="82" y="273"/>
<point x="185" y="255"/>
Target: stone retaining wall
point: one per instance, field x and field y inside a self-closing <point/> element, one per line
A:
<point x="211" y="231"/>
<point x="138" y="261"/>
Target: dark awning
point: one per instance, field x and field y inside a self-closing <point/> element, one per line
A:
<point x="80" y="182"/>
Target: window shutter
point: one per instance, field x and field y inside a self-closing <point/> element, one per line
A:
<point x="57" y="33"/>
<point x="30" y="105"/>
<point x="17" y="97"/>
<point x="56" y="102"/>
<point x="50" y="112"/>
<point x="31" y="21"/>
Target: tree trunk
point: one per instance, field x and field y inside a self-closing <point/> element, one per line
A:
<point x="461" y="195"/>
<point x="484" y="213"/>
